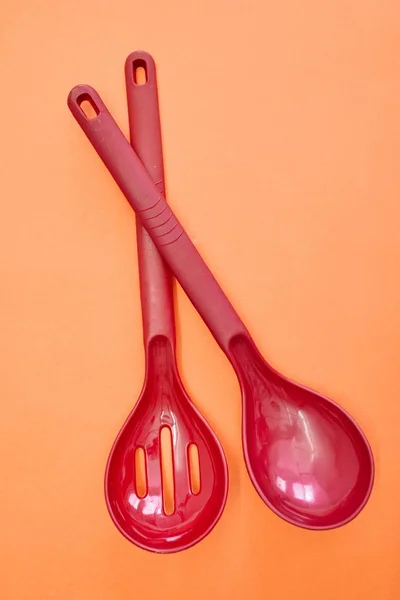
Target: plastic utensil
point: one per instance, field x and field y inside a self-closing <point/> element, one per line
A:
<point x="151" y="514"/>
<point x="308" y="459"/>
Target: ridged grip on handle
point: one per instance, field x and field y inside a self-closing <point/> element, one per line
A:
<point x="164" y="228"/>
<point x="145" y="134"/>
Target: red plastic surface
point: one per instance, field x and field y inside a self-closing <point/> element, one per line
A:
<point x="307" y="458"/>
<point x="163" y="402"/>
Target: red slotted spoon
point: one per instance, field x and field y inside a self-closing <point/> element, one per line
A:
<point x="138" y="502"/>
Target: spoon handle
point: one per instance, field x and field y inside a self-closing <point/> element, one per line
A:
<point x="145" y="134"/>
<point x="156" y="217"/>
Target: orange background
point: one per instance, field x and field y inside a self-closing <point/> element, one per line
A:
<point x="281" y="128"/>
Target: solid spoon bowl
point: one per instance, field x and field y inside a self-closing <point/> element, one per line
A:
<point x="307" y="458"/>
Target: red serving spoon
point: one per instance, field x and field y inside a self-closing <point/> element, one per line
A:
<point x="142" y="507"/>
<point x="307" y="458"/>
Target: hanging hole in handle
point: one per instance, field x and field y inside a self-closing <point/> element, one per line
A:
<point x="87" y="106"/>
<point x="194" y="468"/>
<point x="139" y="70"/>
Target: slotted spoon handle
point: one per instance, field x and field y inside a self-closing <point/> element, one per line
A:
<point x="145" y="134"/>
<point x="157" y="218"/>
